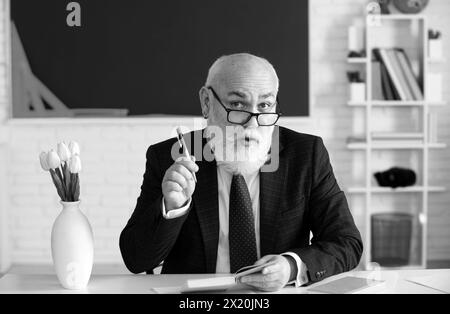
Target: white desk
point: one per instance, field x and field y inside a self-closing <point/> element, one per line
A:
<point x="14" y="283"/>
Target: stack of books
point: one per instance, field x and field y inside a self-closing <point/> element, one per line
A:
<point x="393" y="76"/>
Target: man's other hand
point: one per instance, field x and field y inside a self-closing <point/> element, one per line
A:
<point x="271" y="278"/>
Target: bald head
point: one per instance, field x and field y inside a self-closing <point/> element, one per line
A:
<point x="242" y="69"/>
<point x="240" y="82"/>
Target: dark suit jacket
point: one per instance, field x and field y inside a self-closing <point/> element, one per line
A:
<point x="301" y="196"/>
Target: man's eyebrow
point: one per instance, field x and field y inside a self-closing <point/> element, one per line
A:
<point x="237" y="93"/>
<point x="267" y="95"/>
<point x="243" y="95"/>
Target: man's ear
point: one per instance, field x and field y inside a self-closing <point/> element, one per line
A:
<point x="204" y="101"/>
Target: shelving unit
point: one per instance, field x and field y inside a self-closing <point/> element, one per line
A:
<point x="383" y="190"/>
<point x="396" y="24"/>
<point x="394" y="145"/>
<point x="357" y="60"/>
<point x="397" y="103"/>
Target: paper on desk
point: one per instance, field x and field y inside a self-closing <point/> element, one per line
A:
<point x="437" y="282"/>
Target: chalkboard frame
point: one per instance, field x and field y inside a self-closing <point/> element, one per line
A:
<point x="310" y="107"/>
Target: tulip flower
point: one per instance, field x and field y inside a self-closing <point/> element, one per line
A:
<point x="74" y="148"/>
<point x="75" y="164"/>
<point x="64" y="166"/>
<point x="43" y="161"/>
<point x="53" y="160"/>
<point x="63" y="152"/>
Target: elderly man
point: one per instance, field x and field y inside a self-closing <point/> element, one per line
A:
<point x="239" y="209"/>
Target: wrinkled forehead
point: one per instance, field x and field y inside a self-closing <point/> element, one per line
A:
<point x="250" y="76"/>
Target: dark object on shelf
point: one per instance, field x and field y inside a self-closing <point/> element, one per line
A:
<point x="396" y="177"/>
<point x="357" y="54"/>
<point x="432" y="34"/>
<point x="354" y="77"/>
<point x="384" y="5"/>
<point x="391" y="239"/>
<point x="410" y="6"/>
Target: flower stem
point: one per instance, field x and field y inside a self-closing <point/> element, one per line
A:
<point x="67" y="181"/>
<point x="58" y="184"/>
<point x="76" y="194"/>
<point x="63" y="185"/>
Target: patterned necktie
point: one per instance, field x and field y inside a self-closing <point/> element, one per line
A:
<point x="241" y="235"/>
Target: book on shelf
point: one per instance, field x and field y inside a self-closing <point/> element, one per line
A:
<point x="389" y="91"/>
<point x="221" y="283"/>
<point x="393" y="74"/>
<point x="377" y="88"/>
<point x="386" y="83"/>
<point x="399" y="73"/>
<point x="398" y="81"/>
<point x="408" y="72"/>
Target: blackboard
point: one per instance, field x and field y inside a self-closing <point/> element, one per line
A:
<point x="152" y="57"/>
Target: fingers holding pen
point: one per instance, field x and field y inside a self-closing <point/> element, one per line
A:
<point x="181" y="174"/>
<point x="178" y="183"/>
<point x="189" y="164"/>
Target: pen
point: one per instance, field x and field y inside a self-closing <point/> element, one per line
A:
<point x="185" y="150"/>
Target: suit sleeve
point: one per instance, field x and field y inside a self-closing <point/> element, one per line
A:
<point x="336" y="245"/>
<point x="148" y="237"/>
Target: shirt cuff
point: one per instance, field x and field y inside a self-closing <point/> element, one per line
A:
<point x="175" y="213"/>
<point x="302" y="277"/>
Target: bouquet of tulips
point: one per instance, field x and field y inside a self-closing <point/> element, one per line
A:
<point x="64" y="166"/>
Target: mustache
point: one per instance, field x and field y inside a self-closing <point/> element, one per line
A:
<point x="250" y="138"/>
<point x="245" y="136"/>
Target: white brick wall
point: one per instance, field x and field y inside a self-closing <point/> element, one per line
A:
<point x="3" y="68"/>
<point x="113" y="153"/>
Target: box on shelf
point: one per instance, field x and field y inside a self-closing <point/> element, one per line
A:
<point x="357" y="92"/>
<point x="435" y="49"/>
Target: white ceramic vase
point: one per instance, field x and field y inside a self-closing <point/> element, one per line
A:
<point x="72" y="247"/>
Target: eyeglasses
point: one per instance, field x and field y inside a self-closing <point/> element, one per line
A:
<point x="241" y="117"/>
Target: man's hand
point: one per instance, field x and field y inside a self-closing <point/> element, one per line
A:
<point x="178" y="183"/>
<point x="272" y="278"/>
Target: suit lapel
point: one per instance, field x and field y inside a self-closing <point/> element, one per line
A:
<point x="270" y="192"/>
<point x="206" y="204"/>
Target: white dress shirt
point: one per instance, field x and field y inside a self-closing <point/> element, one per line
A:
<point x="223" y="250"/>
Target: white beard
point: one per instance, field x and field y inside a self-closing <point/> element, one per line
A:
<point x="236" y="154"/>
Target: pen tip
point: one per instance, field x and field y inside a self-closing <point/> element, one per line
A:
<point x="179" y="130"/>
